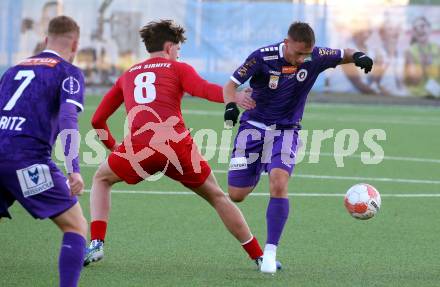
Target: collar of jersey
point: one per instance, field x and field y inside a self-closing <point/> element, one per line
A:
<point x="51" y="51"/>
<point x="280" y="50"/>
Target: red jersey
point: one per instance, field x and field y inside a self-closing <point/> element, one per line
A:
<point x="155" y="88"/>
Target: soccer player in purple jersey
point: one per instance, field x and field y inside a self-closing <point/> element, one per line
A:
<point x="40" y="98"/>
<point x="281" y="76"/>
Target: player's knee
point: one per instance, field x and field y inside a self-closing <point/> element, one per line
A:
<point x="278" y="187"/>
<point x="236" y="195"/>
<point x="103" y="177"/>
<point x="77" y="224"/>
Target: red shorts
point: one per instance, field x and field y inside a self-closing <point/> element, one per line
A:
<point x="180" y="161"/>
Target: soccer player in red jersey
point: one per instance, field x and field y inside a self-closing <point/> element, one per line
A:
<point x="159" y="141"/>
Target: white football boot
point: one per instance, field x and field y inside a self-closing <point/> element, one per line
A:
<point x="269" y="264"/>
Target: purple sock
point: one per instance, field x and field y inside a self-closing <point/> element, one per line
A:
<point x="276" y="217"/>
<point x="71" y="259"/>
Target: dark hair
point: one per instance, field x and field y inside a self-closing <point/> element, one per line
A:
<point x="302" y="32"/>
<point x="155" y="34"/>
<point x="62" y="25"/>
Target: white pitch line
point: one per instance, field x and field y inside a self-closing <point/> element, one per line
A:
<point x="165" y="192"/>
<point x="311" y="116"/>
<point x="332" y="177"/>
<point x="336" y="177"/>
<point x="329" y="154"/>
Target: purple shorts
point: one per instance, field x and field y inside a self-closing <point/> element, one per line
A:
<point x="257" y="150"/>
<point x="39" y="186"/>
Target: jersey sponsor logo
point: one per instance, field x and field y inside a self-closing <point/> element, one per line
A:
<point x="238" y="163"/>
<point x="327" y="52"/>
<point x="242" y="71"/>
<point x="135" y="68"/>
<point x="71" y="85"/>
<point x="11" y="123"/>
<point x="301" y="75"/>
<point x="273" y="82"/>
<point x="50" y="62"/>
<point x="276" y="73"/>
<point x="268" y="58"/>
<point x="157" y="65"/>
<point x="289" y="69"/>
<point x="150" y="66"/>
<point x="34" y="179"/>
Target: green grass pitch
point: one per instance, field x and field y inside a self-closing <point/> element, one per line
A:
<point x="166" y="239"/>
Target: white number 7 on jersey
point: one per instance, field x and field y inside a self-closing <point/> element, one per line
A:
<point x="29" y="75"/>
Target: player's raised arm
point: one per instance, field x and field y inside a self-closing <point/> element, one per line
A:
<point x="109" y="104"/>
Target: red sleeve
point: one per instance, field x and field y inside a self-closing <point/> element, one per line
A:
<point x="109" y="104"/>
<point x="196" y="86"/>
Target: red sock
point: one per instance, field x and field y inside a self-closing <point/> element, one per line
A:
<point x="253" y="248"/>
<point x="98" y="228"/>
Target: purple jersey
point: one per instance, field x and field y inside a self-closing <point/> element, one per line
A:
<point x="280" y="89"/>
<point x="31" y="94"/>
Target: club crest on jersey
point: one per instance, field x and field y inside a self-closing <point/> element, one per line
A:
<point x="273" y="82"/>
<point x="34" y="179"/>
<point x="301" y="75"/>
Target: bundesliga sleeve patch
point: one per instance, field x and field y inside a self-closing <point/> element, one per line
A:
<point x="71" y="85"/>
<point x="327" y="52"/>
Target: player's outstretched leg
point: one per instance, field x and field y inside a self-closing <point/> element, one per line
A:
<point x="238" y="194"/>
<point x="100" y="199"/>
<point x="74" y="226"/>
<point x="230" y="215"/>
<point x="276" y="217"/>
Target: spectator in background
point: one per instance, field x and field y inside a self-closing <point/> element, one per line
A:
<point x="359" y="40"/>
<point x="422" y="61"/>
<point x="387" y="74"/>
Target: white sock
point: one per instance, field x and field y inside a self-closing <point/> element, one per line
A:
<point x="270" y="247"/>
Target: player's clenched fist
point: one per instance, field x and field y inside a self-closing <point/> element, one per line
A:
<point x="363" y="61"/>
<point x="76" y="184"/>
<point x="231" y="114"/>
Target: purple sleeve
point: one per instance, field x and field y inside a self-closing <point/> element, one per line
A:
<point x="249" y="68"/>
<point x="328" y="58"/>
<point x="69" y="135"/>
<point x="73" y="87"/>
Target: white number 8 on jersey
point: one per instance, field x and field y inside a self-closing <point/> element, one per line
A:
<point x="145" y="81"/>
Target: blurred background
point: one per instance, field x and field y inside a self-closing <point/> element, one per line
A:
<point x="402" y="36"/>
